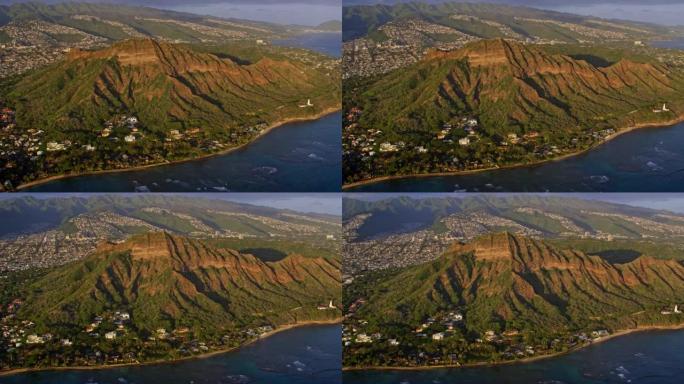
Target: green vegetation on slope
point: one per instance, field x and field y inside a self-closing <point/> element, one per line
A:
<point x="496" y="103"/>
<point x="501" y="295"/>
<point x="187" y="103"/>
<point x="164" y="297"/>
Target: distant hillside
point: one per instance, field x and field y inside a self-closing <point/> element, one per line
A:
<point x="493" y="21"/>
<point x="419" y="205"/>
<point x="399" y="232"/>
<point x="24" y="211"/>
<point x="118" y="22"/>
<point x="514" y="294"/>
<point x="332" y="26"/>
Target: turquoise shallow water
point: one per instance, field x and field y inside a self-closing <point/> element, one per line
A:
<point x="306" y="355"/>
<point x="655" y="357"/>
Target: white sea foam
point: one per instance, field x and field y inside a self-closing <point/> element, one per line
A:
<point x="600" y="179"/>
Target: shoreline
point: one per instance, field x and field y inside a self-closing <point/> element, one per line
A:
<point x="375" y="180"/>
<point x="266" y="335"/>
<point x="274" y="125"/>
<point x="523" y="360"/>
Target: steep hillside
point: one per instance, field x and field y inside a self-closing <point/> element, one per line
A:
<point x="159" y="297"/>
<point x="169" y="281"/>
<point x="505" y="279"/>
<point x="509" y="288"/>
<point x="143" y="101"/>
<point x="168" y="86"/>
<point x="500" y="102"/>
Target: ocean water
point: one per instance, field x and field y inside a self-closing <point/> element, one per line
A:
<point x="644" y="160"/>
<point x="305" y="355"/>
<point x="653" y="357"/>
<point x="326" y="43"/>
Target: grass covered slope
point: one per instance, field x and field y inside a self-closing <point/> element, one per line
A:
<point x="172" y="282"/>
<point x="512" y="292"/>
<point x="188" y="103"/>
<point x="527" y="103"/>
<point x="159" y="297"/>
<point x="168" y="86"/>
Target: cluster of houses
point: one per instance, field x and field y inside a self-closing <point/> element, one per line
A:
<point x="130" y="123"/>
<point x="15" y="143"/>
<point x="601" y="135"/>
<point x="449" y="321"/>
<point x="390" y="147"/>
<point x="20" y="337"/>
<point x="19" y="148"/>
<point x="258" y="331"/>
<point x="509" y="344"/>
<point x="17" y="334"/>
<point x="355" y="334"/>
<point x="467" y="124"/>
<point x="118" y="318"/>
<point x="363" y="143"/>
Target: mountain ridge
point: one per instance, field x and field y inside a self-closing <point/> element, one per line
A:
<point x="166" y="279"/>
<point x="518" y="273"/>
<point x="502" y="294"/>
<point x="525" y="104"/>
<point x="143" y="102"/>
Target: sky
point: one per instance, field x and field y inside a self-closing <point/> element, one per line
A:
<point x="301" y="12"/>
<point x="326" y="203"/>
<point x="673" y="202"/>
